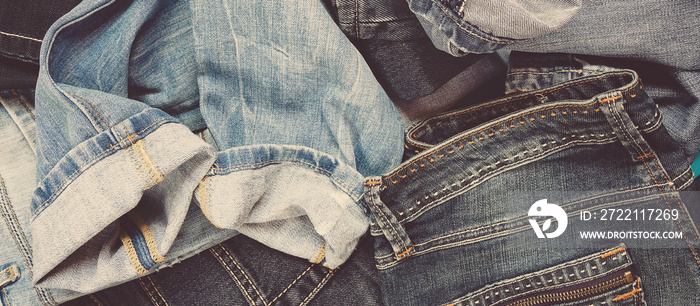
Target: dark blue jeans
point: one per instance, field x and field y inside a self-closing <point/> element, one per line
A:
<point x="459" y="222"/>
<point x="241" y="271"/>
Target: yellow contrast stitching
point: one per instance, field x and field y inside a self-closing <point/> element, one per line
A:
<point x="230" y="272"/>
<point x="147" y="235"/>
<point x="321" y="255"/>
<point x="111" y="147"/>
<point x="292" y="284"/>
<point x="243" y="272"/>
<point x="131" y="253"/>
<point x="157" y="291"/>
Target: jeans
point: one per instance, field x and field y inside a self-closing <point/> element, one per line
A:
<point x="17" y="182"/>
<point x="396" y="47"/>
<point x="460" y="221"/>
<point x="241" y="271"/>
<point x="291" y="111"/>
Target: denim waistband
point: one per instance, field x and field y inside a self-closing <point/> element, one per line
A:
<point x="475" y="143"/>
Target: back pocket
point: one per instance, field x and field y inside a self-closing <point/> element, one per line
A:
<point x="603" y="278"/>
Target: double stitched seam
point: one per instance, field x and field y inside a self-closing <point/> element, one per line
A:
<point x="526" y="96"/>
<point x="233" y="275"/>
<point x="99" y="155"/>
<point x="669" y="207"/>
<point x="513" y="230"/>
<point x="95" y="109"/>
<point x="148" y="291"/>
<point x="23" y="104"/>
<point x="16" y="230"/>
<point x="678" y="201"/>
<point x="313" y="292"/>
<point x="291" y="284"/>
<point x="131" y="253"/>
<point x="155" y="288"/>
<point x="551" y="272"/>
<point x="477" y="179"/>
<point x="21" y="241"/>
<point x="437" y="151"/>
<point x="621" y="127"/>
<point x="519" y="219"/>
<point x="635" y="291"/>
<point x="394" y="232"/>
<point x="274" y="161"/>
<point x="147" y="236"/>
<point x="244" y="274"/>
<point x="448" y="13"/>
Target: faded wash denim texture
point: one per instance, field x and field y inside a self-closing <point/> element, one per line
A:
<point x="17" y="165"/>
<point x="241" y="271"/>
<point x="291" y="110"/>
<point x="451" y="223"/>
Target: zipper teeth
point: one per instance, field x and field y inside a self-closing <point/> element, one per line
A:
<point x="573" y="295"/>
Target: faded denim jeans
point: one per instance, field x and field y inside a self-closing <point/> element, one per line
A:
<point x="124" y="185"/>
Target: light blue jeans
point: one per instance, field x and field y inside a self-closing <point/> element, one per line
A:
<point x="296" y="121"/>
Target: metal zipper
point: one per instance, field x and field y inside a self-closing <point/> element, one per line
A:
<point x="578" y="294"/>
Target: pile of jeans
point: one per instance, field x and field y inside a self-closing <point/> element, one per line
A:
<point x="335" y="152"/>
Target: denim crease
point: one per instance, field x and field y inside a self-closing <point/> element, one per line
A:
<point x="450" y="224"/>
<point x="126" y="188"/>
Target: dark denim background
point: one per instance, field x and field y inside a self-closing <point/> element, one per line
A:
<point x="242" y="271"/>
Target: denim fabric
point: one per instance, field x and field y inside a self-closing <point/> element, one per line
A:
<point x="677" y="93"/>
<point x="24" y="23"/>
<point x="397" y="49"/>
<point x="580" y="27"/>
<point x="17" y="165"/>
<point x="292" y="111"/>
<point x="17" y="74"/>
<point x="451" y="223"/>
<point x="241" y="271"/>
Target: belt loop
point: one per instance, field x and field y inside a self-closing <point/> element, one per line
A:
<point x="612" y="105"/>
<point x="386" y="220"/>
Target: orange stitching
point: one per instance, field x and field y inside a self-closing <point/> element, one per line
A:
<point x="512" y="119"/>
<point x="613" y="252"/>
<point x="645" y="155"/>
<point x="610" y="99"/>
<point x="402" y="254"/>
<point x="491" y="126"/>
<point x="524" y="97"/>
<point x="372" y="183"/>
<point x="94" y="108"/>
<point x="626" y="295"/>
